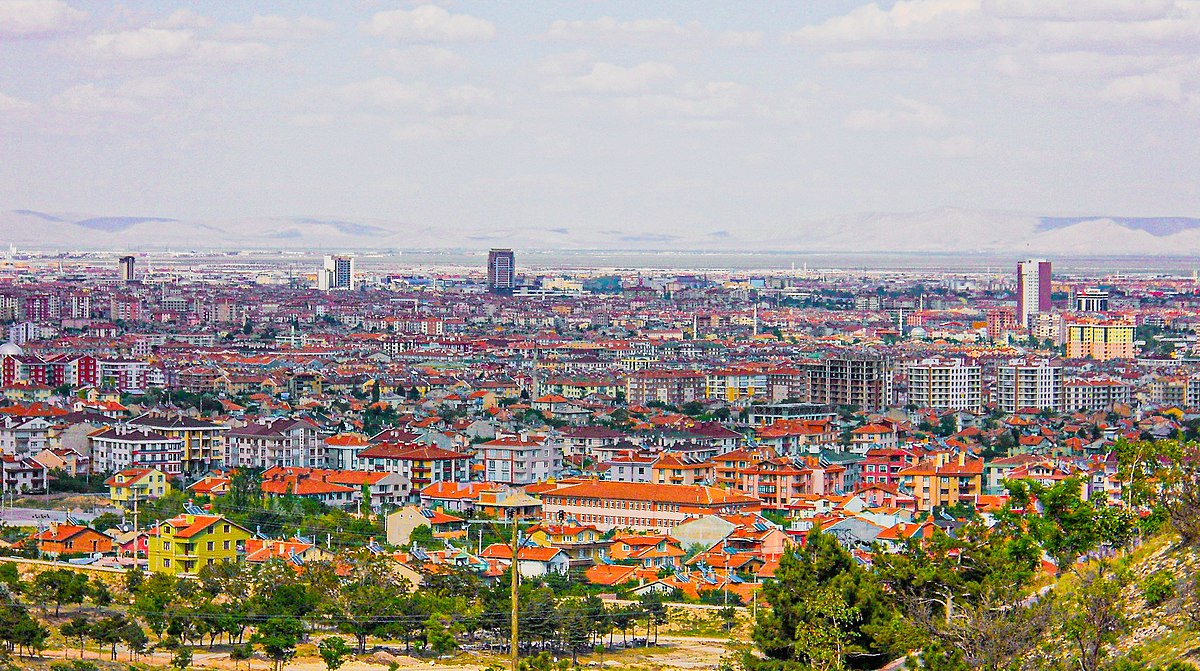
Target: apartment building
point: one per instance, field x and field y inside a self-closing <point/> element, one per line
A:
<point x="944" y="480"/>
<point x="275" y="442"/>
<point x="1099" y="340"/>
<point x="182" y="545"/>
<point x="735" y="385"/>
<point x="1093" y="395"/>
<point x="520" y="460"/>
<point x="203" y="441"/>
<point x="1029" y="384"/>
<point x="673" y="387"/>
<point x="849" y="380"/>
<point x="422" y="465"/>
<point x="944" y="384"/>
<point x="119" y="447"/>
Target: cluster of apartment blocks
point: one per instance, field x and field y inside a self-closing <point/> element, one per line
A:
<point x="874" y="383"/>
<point x="860" y="380"/>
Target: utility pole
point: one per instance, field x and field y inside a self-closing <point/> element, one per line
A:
<point x="516" y="577"/>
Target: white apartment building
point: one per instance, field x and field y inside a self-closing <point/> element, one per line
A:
<point x="945" y="384"/>
<point x="1029" y="384"/>
<point x="520" y="460"/>
<point x="276" y="442"/>
<point x="116" y="448"/>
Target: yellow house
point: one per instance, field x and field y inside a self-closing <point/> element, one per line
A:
<point x="185" y="544"/>
<point x="584" y="544"/>
<point x="137" y="484"/>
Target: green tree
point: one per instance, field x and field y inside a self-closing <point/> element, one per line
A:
<point x="278" y="638"/>
<point x="135" y="638"/>
<point x="61" y="586"/>
<point x="438" y="637"/>
<point x="76" y="627"/>
<point x="182" y="659"/>
<point x="1091" y="616"/>
<point x="108" y="632"/>
<point x="10" y="577"/>
<point x="1069" y="527"/>
<point x="240" y="653"/>
<point x="333" y="651"/>
<point x="804" y="610"/>
<point x="367" y="600"/>
<point x="576" y="632"/>
<point x="656" y="613"/>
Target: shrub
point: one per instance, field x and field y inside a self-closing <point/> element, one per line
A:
<point x="1158" y="587"/>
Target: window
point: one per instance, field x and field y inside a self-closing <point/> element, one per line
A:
<point x="166" y="545"/>
<point x="211" y="547"/>
<point x="166" y="563"/>
<point x="225" y="530"/>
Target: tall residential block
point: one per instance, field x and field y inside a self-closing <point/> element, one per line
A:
<point x="1029" y="384"/>
<point x="337" y="272"/>
<point x="125" y="268"/>
<point x="1033" y="288"/>
<point x="502" y="270"/>
<point x="944" y="384"/>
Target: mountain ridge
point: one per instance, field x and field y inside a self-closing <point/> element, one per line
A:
<point x="940" y="231"/>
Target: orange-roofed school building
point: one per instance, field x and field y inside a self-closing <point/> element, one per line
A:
<point x="641" y="506"/>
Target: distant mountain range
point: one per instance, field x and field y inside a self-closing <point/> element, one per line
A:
<point x="931" y="232"/>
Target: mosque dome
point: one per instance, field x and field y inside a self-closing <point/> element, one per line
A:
<point x="11" y="348"/>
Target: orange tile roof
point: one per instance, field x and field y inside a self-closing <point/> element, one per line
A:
<point x="700" y="495"/>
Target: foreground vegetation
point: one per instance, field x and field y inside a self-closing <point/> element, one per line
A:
<point x="982" y="597"/>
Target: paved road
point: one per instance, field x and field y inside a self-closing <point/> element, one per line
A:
<point x="31" y="517"/>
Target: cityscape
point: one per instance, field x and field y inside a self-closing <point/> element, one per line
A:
<point x="442" y="334"/>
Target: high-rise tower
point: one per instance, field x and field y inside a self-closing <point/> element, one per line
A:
<point x="125" y="268"/>
<point x="1033" y="288"/>
<point x="337" y="272"/>
<point x="502" y="270"/>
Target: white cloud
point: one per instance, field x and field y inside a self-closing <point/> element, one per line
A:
<point x="430" y="23"/>
<point x="740" y="38"/>
<point x="11" y="104"/>
<point x="693" y="99"/>
<point x="955" y="146"/>
<point x="611" y="78"/>
<point x="92" y="99"/>
<point x="909" y="114"/>
<point x="648" y="32"/>
<point x="1182" y="30"/>
<point x="390" y="94"/>
<point x="907" y="21"/>
<point x="30" y="18"/>
<point x="159" y="44"/>
<point x="446" y="128"/>
<point x="1078" y="10"/>
<point x="274" y="27"/>
<point x="183" y="18"/>
<point x="875" y="60"/>
<point x="420" y="58"/>
<point x="608" y="28"/>
<point x="1090" y="64"/>
<point x="1153" y="88"/>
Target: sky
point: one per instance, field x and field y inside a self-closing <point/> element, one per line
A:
<point x="741" y="115"/>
